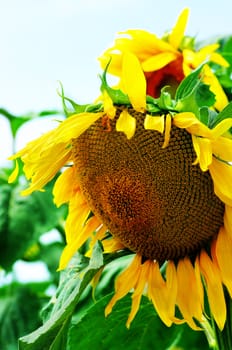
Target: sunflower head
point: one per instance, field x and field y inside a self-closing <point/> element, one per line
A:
<point x="151" y="176"/>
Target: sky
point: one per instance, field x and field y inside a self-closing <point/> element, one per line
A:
<point x="43" y="42"/>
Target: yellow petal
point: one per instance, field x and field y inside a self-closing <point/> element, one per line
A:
<point x="125" y="282"/>
<point x="178" y="31"/>
<point x="222" y="148"/>
<point x="80" y="238"/>
<point x="137" y="294"/>
<point x="43" y="170"/>
<point x="188" y="121"/>
<point x="189" y="299"/>
<point x="224" y="257"/>
<point x="221" y="174"/>
<point x="222" y="127"/>
<point x="154" y="123"/>
<point x="161" y="295"/>
<point x="219" y="59"/>
<point x="109" y="107"/>
<point x="203" y="149"/>
<point x="78" y="212"/>
<point x="228" y="219"/>
<point x="171" y="283"/>
<point x="126" y="123"/>
<point x="158" y="61"/>
<point x="14" y="174"/>
<point x="64" y="186"/>
<point x="74" y="126"/>
<point x="168" y="126"/>
<point x="214" y="289"/>
<point x="134" y="81"/>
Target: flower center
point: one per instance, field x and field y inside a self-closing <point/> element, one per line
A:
<point x="151" y="198"/>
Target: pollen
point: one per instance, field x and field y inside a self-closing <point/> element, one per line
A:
<point x="153" y="199"/>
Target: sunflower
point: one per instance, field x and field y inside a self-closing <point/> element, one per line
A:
<point x="167" y="60"/>
<point x="146" y="176"/>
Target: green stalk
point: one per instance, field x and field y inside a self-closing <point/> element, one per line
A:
<point x="223" y="339"/>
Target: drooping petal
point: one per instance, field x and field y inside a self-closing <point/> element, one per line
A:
<point x="81" y="236"/>
<point x="203" y="149"/>
<point x="64" y="186"/>
<point x="168" y="126"/>
<point x="74" y="126"/>
<point x="161" y="294"/>
<point x="125" y="282"/>
<point x="109" y="107"/>
<point x="177" y="33"/>
<point x="228" y="219"/>
<point x="154" y="123"/>
<point x="126" y="123"/>
<point x="78" y="212"/>
<point x="222" y="148"/>
<point x="221" y="174"/>
<point x="134" y="81"/>
<point x="189" y="299"/>
<point x="223" y="252"/>
<point x="188" y="121"/>
<point x="214" y="289"/>
<point x="42" y="171"/>
<point x="221" y="128"/>
<point x="137" y="294"/>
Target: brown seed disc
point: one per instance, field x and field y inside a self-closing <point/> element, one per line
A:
<point x="151" y="198"/>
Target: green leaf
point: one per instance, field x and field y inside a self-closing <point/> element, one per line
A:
<point x="224" y="114"/>
<point x="116" y="95"/>
<point x="188" y="84"/>
<point x="23" y="220"/>
<point x="165" y="101"/>
<point x="57" y="314"/>
<point x="53" y="332"/>
<point x="192" y="340"/>
<point x="20" y="316"/>
<point x="17" y="121"/>
<point x="146" y="332"/>
<point x="77" y="108"/>
<point x="192" y="94"/>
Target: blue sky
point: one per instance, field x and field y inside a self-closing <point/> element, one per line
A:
<point x="46" y="41"/>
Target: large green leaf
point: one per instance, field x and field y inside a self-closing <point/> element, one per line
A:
<point x="94" y="331"/>
<point x="52" y="334"/>
<point x="146" y="332"/>
<point x="57" y="314"/>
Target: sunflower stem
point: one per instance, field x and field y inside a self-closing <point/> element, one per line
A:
<point x="210" y="334"/>
<point x="223" y="338"/>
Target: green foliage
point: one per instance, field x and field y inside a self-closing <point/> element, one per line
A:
<point x="23" y="220"/>
<point x="224" y="73"/>
<point x="19" y="314"/>
<point x="146" y="331"/>
<point x="192" y="94"/>
<point x="17" y="121"/>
